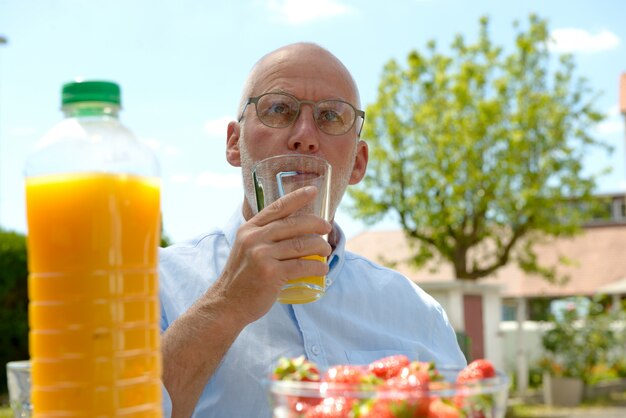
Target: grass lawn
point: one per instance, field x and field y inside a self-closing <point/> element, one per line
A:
<point x="545" y="411"/>
<point x="5" y="412"/>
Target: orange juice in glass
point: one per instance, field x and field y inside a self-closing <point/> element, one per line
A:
<point x="276" y="176"/>
<point x="93" y="239"/>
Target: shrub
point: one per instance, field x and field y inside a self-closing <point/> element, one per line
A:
<point x="582" y="341"/>
<point x="13" y="301"/>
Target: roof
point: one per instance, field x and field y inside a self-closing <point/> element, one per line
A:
<point x="614" y="288"/>
<point x="598" y="258"/>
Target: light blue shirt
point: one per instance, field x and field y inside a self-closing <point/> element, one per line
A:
<point x="368" y="312"/>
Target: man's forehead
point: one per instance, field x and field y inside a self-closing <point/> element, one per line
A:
<point x="297" y="67"/>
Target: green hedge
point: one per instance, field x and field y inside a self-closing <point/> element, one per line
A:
<point x="13" y="301"/>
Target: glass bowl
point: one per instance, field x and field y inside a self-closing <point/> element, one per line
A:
<point x="484" y="398"/>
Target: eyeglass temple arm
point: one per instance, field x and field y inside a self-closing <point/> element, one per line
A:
<point x="250" y="100"/>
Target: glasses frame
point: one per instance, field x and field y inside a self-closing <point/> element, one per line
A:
<point x="255" y="100"/>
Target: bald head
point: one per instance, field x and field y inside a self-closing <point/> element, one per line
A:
<point x="313" y="76"/>
<point x="319" y="60"/>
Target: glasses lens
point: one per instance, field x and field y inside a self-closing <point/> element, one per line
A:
<point x="334" y="116"/>
<point x="277" y="110"/>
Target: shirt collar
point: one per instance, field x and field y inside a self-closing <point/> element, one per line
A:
<point x="233" y="224"/>
<point x="335" y="260"/>
<point x="337" y="257"/>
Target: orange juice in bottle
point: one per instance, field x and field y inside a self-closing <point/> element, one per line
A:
<point x="93" y="210"/>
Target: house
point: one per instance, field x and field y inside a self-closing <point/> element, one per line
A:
<point x="597" y="266"/>
<point x="596" y="261"/>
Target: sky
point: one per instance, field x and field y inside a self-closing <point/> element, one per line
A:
<point x="181" y="66"/>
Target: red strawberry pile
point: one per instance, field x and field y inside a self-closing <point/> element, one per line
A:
<point x="391" y="387"/>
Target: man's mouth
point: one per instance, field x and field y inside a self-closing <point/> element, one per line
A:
<point x="291" y="178"/>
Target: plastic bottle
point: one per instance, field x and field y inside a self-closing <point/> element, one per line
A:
<point x="93" y="209"/>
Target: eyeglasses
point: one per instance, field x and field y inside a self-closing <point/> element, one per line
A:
<point x="280" y="110"/>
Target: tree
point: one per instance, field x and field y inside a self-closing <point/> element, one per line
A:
<point x="13" y="301"/>
<point x="478" y="154"/>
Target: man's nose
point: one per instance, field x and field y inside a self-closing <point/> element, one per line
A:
<point x="305" y="136"/>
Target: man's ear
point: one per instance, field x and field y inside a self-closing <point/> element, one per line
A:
<point x="233" y="155"/>
<point x="360" y="162"/>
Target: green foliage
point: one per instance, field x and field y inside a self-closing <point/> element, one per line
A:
<point x="619" y="365"/>
<point x="165" y="241"/>
<point x="588" y="345"/>
<point x="13" y="301"/>
<point x="538" y="309"/>
<point x="479" y="153"/>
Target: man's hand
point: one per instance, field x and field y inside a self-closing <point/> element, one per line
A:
<point x="268" y="251"/>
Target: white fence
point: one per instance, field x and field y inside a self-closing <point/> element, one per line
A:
<point x="515" y="344"/>
<point x="528" y="342"/>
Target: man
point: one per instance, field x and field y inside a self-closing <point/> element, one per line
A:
<point x="223" y="329"/>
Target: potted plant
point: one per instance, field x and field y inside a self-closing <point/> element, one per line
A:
<point x="579" y="339"/>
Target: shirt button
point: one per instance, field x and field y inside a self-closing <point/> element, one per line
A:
<point x="315" y="350"/>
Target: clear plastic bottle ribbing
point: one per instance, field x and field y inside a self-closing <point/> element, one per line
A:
<point x="93" y="210"/>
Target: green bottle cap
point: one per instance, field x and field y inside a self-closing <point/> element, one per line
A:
<point x="91" y="91"/>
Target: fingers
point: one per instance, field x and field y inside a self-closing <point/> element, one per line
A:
<point x="300" y="267"/>
<point x="280" y="223"/>
<point x="260" y="250"/>
<point x="285" y="206"/>
<point x="295" y="225"/>
<point x="301" y="246"/>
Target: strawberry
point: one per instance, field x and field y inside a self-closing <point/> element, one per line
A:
<point x="439" y="408"/>
<point x="349" y="377"/>
<point x="412" y="381"/>
<point x="475" y="406"/>
<point x="426" y="370"/>
<point x="396" y="408"/>
<point x="472" y="374"/>
<point x="476" y="370"/>
<point x="373" y="408"/>
<point x="338" y="407"/>
<point x="387" y="408"/>
<point x="345" y="374"/>
<point x="415" y="376"/>
<point x="297" y="369"/>
<point x="390" y="366"/>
